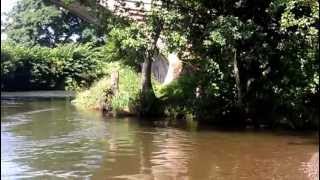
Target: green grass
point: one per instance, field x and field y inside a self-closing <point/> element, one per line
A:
<point x="96" y="96"/>
<point x="126" y="98"/>
<point x="93" y="98"/>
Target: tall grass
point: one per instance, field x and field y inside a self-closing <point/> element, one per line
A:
<point x="99" y="96"/>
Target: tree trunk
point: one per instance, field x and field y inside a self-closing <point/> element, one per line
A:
<point x="147" y="94"/>
<point x="237" y="78"/>
<point x="146" y="84"/>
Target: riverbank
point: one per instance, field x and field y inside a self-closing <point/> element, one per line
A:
<point x="36" y="94"/>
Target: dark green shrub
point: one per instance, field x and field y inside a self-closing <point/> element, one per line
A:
<point x="68" y="66"/>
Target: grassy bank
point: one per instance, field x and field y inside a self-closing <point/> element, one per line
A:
<point x="101" y="97"/>
<point x="124" y="102"/>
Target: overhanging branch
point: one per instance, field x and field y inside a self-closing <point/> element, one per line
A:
<point x="78" y="10"/>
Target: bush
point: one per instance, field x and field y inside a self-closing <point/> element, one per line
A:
<point x="179" y="97"/>
<point x="68" y="66"/>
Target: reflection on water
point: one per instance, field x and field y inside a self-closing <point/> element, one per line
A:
<point x="50" y="139"/>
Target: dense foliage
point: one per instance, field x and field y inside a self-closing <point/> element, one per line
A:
<point x="244" y="62"/>
<point x="37" y="22"/>
<point x="252" y="62"/>
<point x="69" y="66"/>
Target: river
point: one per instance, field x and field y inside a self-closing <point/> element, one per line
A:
<point x="47" y="138"/>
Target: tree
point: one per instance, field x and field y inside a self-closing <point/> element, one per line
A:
<point x="139" y="40"/>
<point x="260" y="57"/>
<point x="34" y="22"/>
<point x="253" y="58"/>
<point x="133" y="39"/>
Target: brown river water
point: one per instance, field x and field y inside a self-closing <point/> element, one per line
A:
<point x="50" y="139"/>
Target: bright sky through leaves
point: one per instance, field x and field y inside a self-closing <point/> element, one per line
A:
<point x="6" y="6"/>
